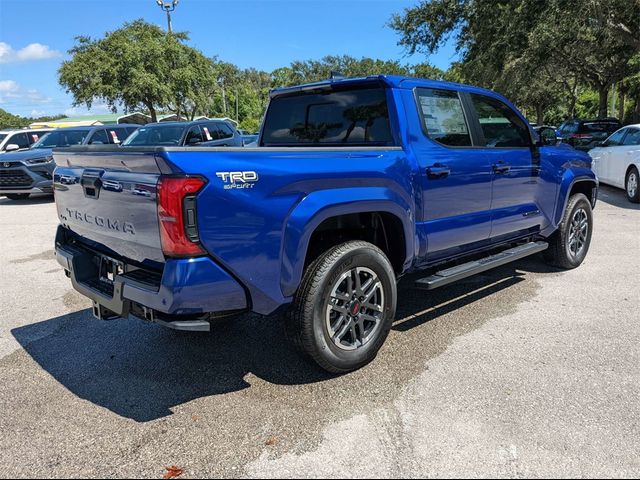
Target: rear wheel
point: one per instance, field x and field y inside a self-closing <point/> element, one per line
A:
<point x="17" y="196"/>
<point x="632" y="185"/>
<point x="569" y="245"/>
<point x="344" y="308"/>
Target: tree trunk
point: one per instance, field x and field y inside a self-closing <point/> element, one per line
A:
<point x="152" y="112"/>
<point x="603" y="95"/>
<point x="540" y="114"/>
<point x="622" y="101"/>
<point x="636" y="112"/>
<point x="574" y="100"/>
<point x="224" y="102"/>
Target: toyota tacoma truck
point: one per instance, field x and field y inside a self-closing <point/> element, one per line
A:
<point x="354" y="183"/>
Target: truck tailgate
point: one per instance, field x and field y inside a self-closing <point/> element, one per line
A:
<point x="108" y="196"/>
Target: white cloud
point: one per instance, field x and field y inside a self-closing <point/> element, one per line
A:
<point x="8" y="86"/>
<point x="95" y="109"/>
<point x="38" y="113"/>
<point x="32" y="52"/>
<point x="13" y="95"/>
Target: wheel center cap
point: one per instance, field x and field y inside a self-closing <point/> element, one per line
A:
<point x="355" y="308"/>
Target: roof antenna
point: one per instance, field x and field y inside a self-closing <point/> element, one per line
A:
<point x="336" y="75"/>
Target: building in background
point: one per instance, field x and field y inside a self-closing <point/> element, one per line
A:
<point x="88" y="120"/>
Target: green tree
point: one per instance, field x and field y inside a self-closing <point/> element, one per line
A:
<point x="136" y="65"/>
<point x="9" y="120"/>
<point x="507" y="44"/>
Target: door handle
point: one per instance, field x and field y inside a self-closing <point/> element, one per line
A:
<point x="501" y="167"/>
<point x="438" y="171"/>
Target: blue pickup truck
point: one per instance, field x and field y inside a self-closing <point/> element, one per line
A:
<point x="354" y="183"/>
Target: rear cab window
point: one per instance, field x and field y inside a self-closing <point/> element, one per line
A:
<point x="345" y="115"/>
<point x="599" y="127"/>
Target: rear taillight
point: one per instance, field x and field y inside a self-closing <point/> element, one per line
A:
<point x="177" y="216"/>
<point x="581" y="135"/>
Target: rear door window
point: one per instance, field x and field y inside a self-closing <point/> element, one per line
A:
<point x="117" y="135"/>
<point x="99" y="137"/>
<point x="225" y="130"/>
<point x="616" y="139"/>
<point x="329" y="117"/>
<point x="443" y="117"/>
<point x="501" y="126"/>
<point x="35" y="136"/>
<point x="194" y="136"/>
<point x="633" y="137"/>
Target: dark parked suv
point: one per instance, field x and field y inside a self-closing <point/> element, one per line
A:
<point x="587" y="134"/>
<point x="203" y="133"/>
<point x="31" y="171"/>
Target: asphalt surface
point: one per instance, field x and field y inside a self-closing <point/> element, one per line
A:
<point x="525" y="371"/>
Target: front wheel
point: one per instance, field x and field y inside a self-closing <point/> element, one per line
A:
<point x="632" y="185"/>
<point x="344" y="308"/>
<point x="569" y="245"/>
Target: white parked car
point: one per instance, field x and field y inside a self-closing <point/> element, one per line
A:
<point x="616" y="161"/>
<point x="12" y="140"/>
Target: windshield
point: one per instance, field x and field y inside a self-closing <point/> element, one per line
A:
<point x="61" y="138"/>
<point x="3" y="136"/>
<point x="156" y="135"/>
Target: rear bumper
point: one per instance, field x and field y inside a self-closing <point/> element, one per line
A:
<point x="187" y="290"/>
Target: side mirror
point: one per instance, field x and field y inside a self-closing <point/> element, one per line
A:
<point x="12" y="147"/>
<point x="547" y="136"/>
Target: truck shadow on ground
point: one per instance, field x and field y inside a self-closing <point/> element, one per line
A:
<point x="140" y="370"/>
<point x="616" y="197"/>
<point x="36" y="199"/>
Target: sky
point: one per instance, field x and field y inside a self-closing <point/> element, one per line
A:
<point x="35" y="36"/>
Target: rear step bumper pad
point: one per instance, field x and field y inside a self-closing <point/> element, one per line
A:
<point x="188" y="287"/>
<point x="453" y="274"/>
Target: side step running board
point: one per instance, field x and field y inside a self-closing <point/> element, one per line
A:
<point x="453" y="274"/>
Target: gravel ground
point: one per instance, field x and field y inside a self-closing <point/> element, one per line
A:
<point x="525" y="371"/>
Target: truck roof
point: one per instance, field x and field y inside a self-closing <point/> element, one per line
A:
<point x="392" y="81"/>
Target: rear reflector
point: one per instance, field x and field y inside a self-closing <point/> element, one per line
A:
<point x="177" y="216"/>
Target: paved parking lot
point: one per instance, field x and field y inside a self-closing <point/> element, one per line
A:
<point x="524" y="371"/>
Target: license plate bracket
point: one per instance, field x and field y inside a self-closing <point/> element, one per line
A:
<point x="109" y="268"/>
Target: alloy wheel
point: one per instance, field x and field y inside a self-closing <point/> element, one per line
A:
<point x="578" y="233"/>
<point x="355" y="309"/>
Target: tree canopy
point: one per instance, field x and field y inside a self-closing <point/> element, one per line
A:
<point x="138" y="65"/>
<point x="8" y="120"/>
<point x="532" y="50"/>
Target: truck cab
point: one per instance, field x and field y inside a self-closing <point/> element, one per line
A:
<point x="353" y="184"/>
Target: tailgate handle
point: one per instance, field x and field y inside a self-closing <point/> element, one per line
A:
<point x="91" y="183"/>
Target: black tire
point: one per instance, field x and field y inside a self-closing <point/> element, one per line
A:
<point x="309" y="319"/>
<point x="17" y="196"/>
<point x="561" y="245"/>
<point x="633" y="176"/>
